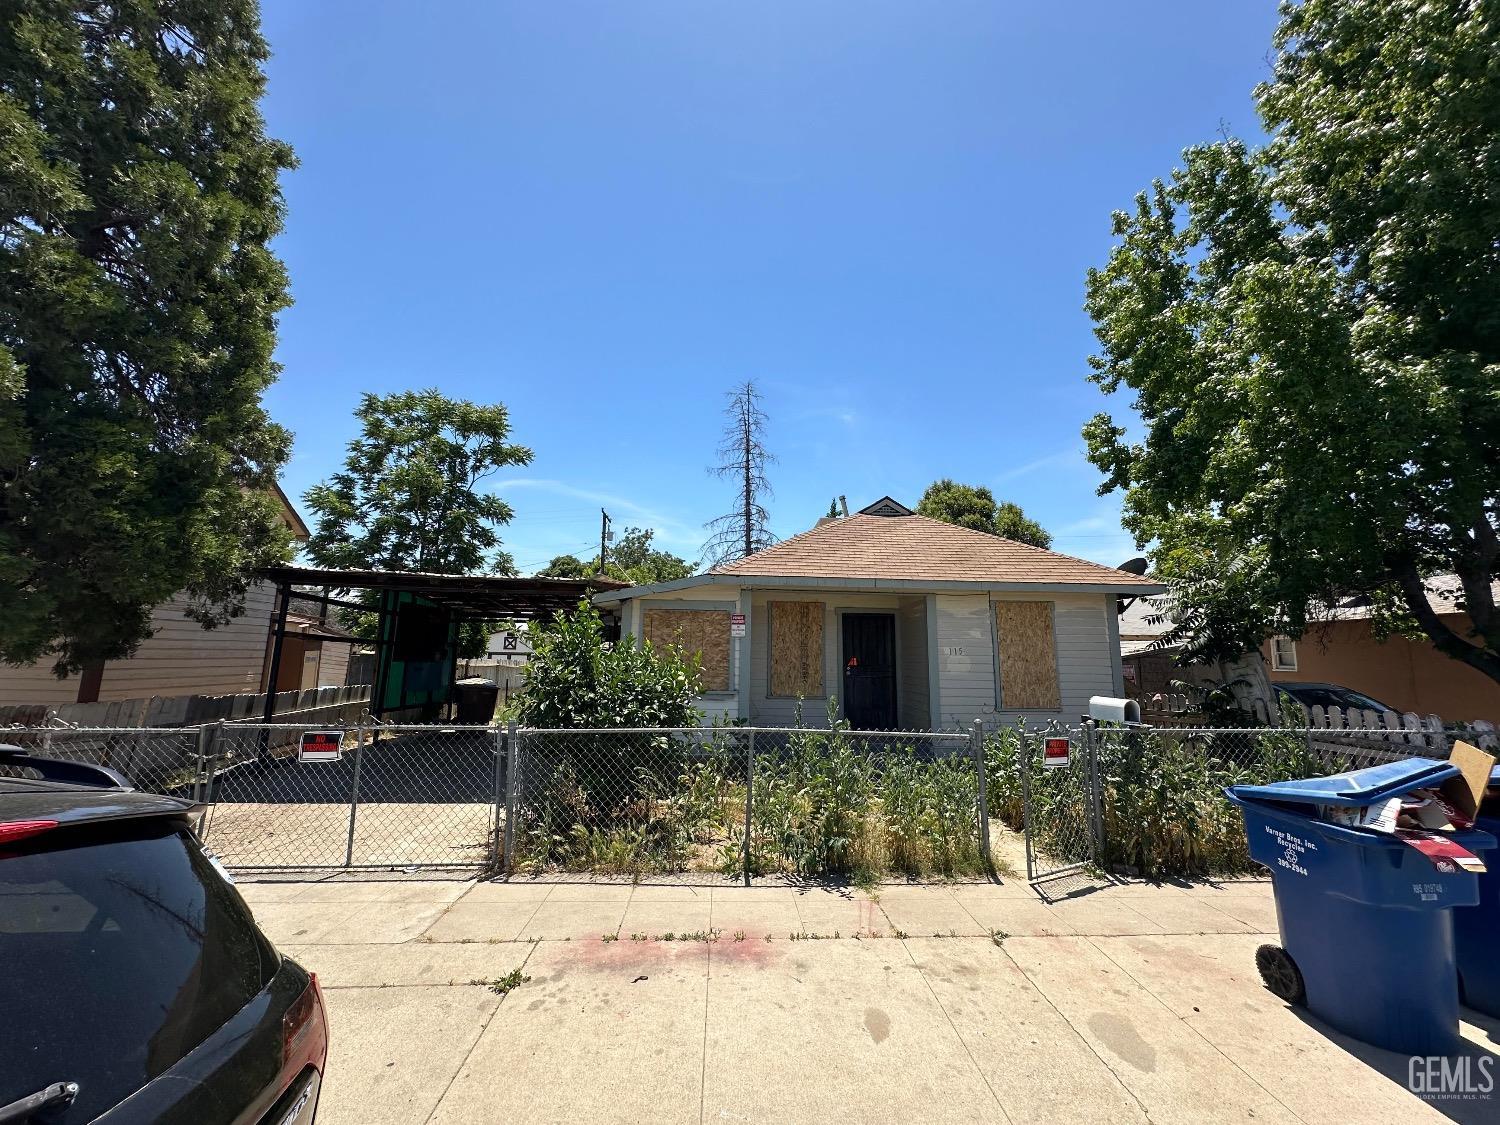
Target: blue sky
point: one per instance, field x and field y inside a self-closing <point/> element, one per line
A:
<point x="606" y="215"/>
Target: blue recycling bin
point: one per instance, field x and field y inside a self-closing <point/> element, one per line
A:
<point x="1476" y="933"/>
<point x="1366" y="921"/>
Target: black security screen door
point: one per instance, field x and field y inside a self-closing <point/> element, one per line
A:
<point x="870" y="670"/>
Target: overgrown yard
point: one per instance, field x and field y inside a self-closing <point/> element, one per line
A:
<point x="1163" y="802"/>
<point x="822" y="803"/>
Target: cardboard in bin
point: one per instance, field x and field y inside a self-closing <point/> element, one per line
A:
<point x="1432" y="798"/>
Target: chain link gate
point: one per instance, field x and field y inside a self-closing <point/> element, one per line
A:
<point x="1061" y="800"/>
<point x="395" y="797"/>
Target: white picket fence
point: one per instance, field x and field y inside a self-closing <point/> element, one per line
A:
<point x="1409" y="729"/>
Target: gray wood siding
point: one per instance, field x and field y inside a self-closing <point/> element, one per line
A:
<point x="965" y="659"/>
<point x="333" y="668"/>
<point x="968" y="688"/>
<point x="180" y="658"/>
<point x="915" y="702"/>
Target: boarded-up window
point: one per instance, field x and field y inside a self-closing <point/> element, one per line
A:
<point x="797" y="649"/>
<point x="701" y="631"/>
<point x="1028" y="656"/>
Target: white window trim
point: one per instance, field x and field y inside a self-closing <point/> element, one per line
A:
<point x="1278" y="663"/>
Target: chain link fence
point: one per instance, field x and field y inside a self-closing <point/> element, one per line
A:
<point x="1150" y="800"/>
<point x="165" y="760"/>
<point x="391" y="797"/>
<point x="725" y="803"/>
<point x="734" y="802"/>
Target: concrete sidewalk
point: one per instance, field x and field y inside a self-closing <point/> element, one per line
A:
<point x="970" y="1002"/>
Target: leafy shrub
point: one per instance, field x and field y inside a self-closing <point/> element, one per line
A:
<point x="575" y="678"/>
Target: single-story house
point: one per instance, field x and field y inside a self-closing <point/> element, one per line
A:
<point x="903" y="622"/>
<point x="1341" y="649"/>
<point x="180" y="657"/>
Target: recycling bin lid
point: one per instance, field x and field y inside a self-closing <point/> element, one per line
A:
<point x="1356" y="787"/>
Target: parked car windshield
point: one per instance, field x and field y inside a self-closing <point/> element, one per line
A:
<point x="1330" y="695"/>
<point x="123" y="949"/>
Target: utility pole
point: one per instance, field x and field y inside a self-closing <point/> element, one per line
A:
<point x="605" y="535"/>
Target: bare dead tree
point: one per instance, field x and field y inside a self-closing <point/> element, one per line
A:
<point x="743" y="458"/>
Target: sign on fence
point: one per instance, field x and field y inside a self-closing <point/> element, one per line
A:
<point x="1055" y="753"/>
<point x="321" y="746"/>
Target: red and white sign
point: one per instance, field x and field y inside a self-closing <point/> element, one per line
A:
<point x="321" y="746"/>
<point x="1055" y="753"/>
<point x="736" y="624"/>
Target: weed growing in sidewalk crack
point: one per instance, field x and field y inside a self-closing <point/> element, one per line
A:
<point x="502" y="985"/>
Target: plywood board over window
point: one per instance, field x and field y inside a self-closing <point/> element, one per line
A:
<point x="701" y="631"/>
<point x="1028" y="656"/>
<point x="797" y="650"/>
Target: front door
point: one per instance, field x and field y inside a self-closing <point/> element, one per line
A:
<point x="870" y="670"/>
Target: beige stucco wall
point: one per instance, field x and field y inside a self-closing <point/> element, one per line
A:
<point x="1406" y="675"/>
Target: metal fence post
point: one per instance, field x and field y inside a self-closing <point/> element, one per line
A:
<point x="208" y="769"/>
<point x="749" y="796"/>
<point x="1028" y="827"/>
<point x="359" y="757"/>
<point x="1096" y="788"/>
<point x="497" y="838"/>
<point x="512" y="785"/>
<point x="976" y="746"/>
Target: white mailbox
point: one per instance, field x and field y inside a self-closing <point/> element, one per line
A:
<point x="1105" y="709"/>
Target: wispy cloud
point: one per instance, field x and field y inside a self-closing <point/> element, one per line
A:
<point x="1070" y="457"/>
<point x="670" y="530"/>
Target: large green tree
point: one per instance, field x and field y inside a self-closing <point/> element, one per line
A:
<point x="1311" y="332"/>
<point x="138" y="193"/>
<point x="408" y="497"/>
<point x="974" y="507"/>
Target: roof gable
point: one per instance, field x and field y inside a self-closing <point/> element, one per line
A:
<point x="918" y="549"/>
<point x="885" y="506"/>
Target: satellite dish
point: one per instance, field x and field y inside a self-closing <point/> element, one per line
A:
<point x="1134" y="566"/>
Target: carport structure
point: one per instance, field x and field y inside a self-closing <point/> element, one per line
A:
<point x="418" y="615"/>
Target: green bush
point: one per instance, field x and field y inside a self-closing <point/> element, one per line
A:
<point x="577" y="679"/>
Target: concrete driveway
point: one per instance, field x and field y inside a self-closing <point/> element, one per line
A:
<point x="935" y="1003"/>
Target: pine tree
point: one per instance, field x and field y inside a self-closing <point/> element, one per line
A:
<point x="743" y="458"/>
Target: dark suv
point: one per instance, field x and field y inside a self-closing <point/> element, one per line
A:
<point x="134" y="984"/>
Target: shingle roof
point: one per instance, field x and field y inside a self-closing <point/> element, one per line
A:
<point x="915" y="548"/>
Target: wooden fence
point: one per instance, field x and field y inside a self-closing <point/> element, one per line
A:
<point x="315" y="705"/>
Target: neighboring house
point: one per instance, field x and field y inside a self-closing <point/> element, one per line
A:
<point x="1341" y="649"/>
<point x="1405" y="674"/>
<point x="902" y="621"/>
<point x="179" y="658"/>
<point x="308" y="658"/>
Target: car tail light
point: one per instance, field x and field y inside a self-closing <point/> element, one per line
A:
<point x="304" y="1034"/>
<point x="12" y="831"/>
